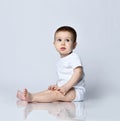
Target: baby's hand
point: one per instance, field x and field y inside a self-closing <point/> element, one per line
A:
<point x="53" y="87"/>
<point x="62" y="90"/>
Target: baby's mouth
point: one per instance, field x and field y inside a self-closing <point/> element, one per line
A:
<point x="62" y="48"/>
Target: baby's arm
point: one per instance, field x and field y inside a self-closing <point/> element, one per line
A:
<point x="77" y="75"/>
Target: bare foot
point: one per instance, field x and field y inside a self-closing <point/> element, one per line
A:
<point x="24" y="96"/>
<point x="20" y="95"/>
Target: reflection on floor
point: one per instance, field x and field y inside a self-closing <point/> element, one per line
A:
<point x="63" y="111"/>
<point x="105" y="108"/>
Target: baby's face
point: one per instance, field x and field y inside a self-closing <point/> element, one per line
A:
<point x="64" y="43"/>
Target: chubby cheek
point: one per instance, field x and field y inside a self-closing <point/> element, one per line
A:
<point x="57" y="47"/>
<point x="70" y="47"/>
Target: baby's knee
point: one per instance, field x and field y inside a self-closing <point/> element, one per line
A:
<point x="58" y="95"/>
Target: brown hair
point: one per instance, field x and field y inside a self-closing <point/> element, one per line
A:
<point x="68" y="29"/>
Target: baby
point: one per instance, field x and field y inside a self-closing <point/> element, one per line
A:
<point x="70" y="83"/>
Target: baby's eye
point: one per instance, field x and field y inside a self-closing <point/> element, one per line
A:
<point x="67" y="40"/>
<point x="59" y="40"/>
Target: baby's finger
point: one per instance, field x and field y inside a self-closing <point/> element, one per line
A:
<point x="61" y="91"/>
<point x="54" y="88"/>
<point x="49" y="87"/>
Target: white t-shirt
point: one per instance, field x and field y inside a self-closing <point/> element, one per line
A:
<point x="65" y="68"/>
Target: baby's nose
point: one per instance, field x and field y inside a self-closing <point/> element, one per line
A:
<point x="63" y="42"/>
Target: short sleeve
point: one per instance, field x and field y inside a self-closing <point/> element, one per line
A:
<point x="75" y="61"/>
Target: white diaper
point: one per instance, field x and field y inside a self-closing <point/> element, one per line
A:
<point x="80" y="94"/>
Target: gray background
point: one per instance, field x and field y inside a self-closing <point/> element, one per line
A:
<point x="27" y="54"/>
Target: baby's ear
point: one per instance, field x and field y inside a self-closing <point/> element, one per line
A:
<point x="74" y="45"/>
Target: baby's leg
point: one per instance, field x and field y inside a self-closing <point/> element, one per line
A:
<point x="70" y="96"/>
<point x="53" y="96"/>
<point x="46" y="96"/>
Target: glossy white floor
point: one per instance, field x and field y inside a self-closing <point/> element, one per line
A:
<point x="106" y="108"/>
